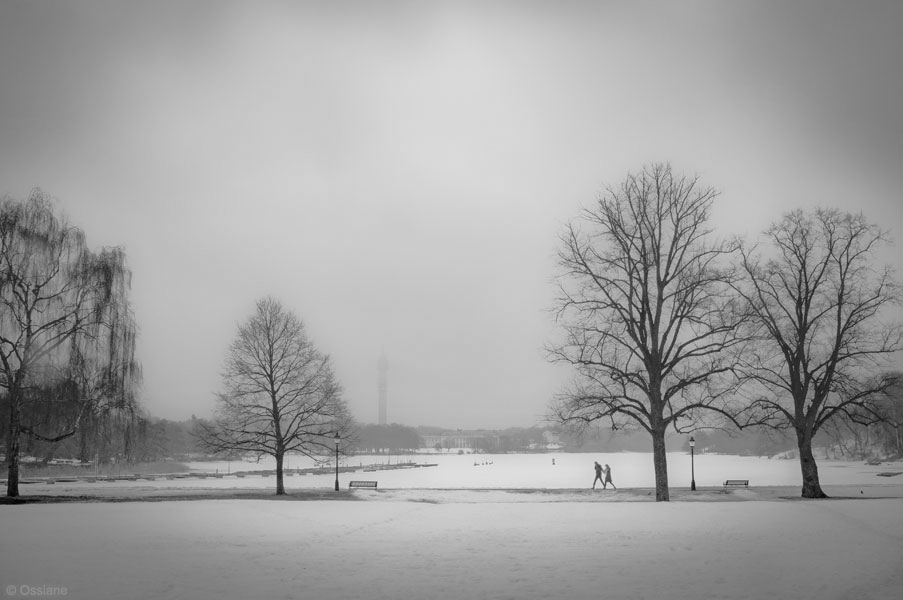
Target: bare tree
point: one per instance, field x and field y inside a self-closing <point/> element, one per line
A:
<point x="279" y="393"/>
<point x="649" y="318"/>
<point x="891" y="409"/>
<point x="67" y="333"/>
<point x="817" y="305"/>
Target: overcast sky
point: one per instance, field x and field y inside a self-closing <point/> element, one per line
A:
<point x="397" y="173"/>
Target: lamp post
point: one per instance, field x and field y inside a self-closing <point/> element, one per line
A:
<point x="692" y="466"/>
<point x="336" y="461"/>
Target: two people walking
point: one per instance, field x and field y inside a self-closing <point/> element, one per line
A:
<point x="606" y="471"/>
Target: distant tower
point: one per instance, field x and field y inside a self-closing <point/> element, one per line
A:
<point x="382" y="365"/>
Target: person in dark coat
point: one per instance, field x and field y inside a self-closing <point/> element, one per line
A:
<point x="607" y="478"/>
<point x="598" y="476"/>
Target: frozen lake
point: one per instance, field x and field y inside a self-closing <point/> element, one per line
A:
<point x="561" y="471"/>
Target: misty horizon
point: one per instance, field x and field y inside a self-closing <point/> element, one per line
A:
<point x="397" y="174"/>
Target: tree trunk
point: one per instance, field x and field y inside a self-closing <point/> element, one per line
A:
<point x="280" y="487"/>
<point x="811" y="485"/>
<point x="660" y="461"/>
<point x="898" y="434"/>
<point x="83" y="444"/>
<point x="12" y="445"/>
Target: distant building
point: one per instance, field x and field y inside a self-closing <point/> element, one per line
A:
<point x="551" y="437"/>
<point x="461" y="440"/>
<point x="382" y="366"/>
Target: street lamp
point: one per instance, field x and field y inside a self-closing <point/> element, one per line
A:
<point x="336" y="461"/>
<point x="692" y="466"/>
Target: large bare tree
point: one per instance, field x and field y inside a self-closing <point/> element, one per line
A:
<point x="646" y="307"/>
<point x="67" y="333"/>
<point x="279" y="394"/>
<point x="818" y="298"/>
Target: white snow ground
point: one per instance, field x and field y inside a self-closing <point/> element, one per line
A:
<point x="271" y="549"/>
<point x="465" y="537"/>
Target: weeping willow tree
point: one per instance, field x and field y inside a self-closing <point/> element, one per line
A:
<point x="67" y="332"/>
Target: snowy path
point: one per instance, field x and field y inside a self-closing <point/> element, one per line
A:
<point x="211" y="549"/>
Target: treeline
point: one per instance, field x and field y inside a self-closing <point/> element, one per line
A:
<point x="390" y="439"/>
<point x="121" y="438"/>
<point x="395" y="438"/>
<point x="758" y="442"/>
<point x="132" y="438"/>
<point x="840" y="438"/>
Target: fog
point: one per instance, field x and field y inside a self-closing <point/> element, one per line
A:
<point x="397" y="173"/>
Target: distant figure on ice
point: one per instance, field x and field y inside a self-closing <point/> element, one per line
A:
<point x="598" y="476"/>
<point x="607" y="478"/>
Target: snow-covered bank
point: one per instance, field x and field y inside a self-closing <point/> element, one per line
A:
<point x="201" y="490"/>
<point x="451" y="550"/>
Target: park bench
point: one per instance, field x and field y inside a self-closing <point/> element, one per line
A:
<point x="362" y="484"/>
<point x="736" y="483"/>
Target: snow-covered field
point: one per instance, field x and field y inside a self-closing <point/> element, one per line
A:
<point x="517" y="527"/>
<point x="269" y="549"/>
